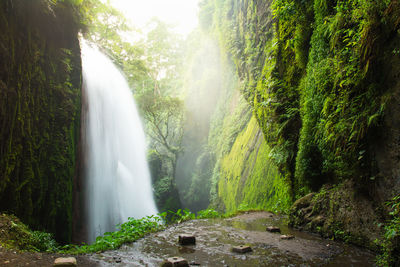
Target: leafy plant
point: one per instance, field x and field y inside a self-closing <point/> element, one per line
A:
<point x="208" y="213"/>
<point x="129" y="231"/>
<point x="181" y="215"/>
<point x="134" y="229"/>
<point x="390" y="245"/>
<point x="43" y="241"/>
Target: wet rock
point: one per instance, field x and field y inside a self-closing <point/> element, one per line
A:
<point x="273" y="229"/>
<point x="242" y="249"/>
<point x="67" y="261"/>
<point x="117" y="259"/>
<point x="175" y="262"/>
<point x="187" y="240"/>
<point x="286" y="237"/>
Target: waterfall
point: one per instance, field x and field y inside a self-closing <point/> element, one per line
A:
<point x="117" y="176"/>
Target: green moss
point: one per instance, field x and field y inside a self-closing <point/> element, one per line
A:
<point x="40" y="114"/>
<point x="341" y="98"/>
<point x="249" y="177"/>
<point x="16" y="235"/>
<point x="312" y="76"/>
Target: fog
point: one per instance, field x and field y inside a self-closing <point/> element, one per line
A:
<point x="203" y="85"/>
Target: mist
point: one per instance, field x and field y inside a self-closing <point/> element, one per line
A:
<point x="203" y="88"/>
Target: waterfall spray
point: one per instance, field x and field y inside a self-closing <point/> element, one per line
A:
<point x="117" y="176"/>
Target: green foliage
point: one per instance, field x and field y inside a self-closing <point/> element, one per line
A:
<point x="166" y="193"/>
<point x="164" y="117"/>
<point x="180" y="215"/>
<point x="390" y="244"/>
<point x="105" y="26"/>
<point x="127" y="232"/>
<point x="134" y="229"/>
<point x="313" y="73"/>
<point x="312" y="87"/>
<point x="208" y="213"/>
<point x="16" y="235"/>
<point x="341" y="98"/>
<point x="312" y="78"/>
<point x="43" y="241"/>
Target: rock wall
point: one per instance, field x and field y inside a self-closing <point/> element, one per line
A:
<point x="40" y="94"/>
<point x="322" y="80"/>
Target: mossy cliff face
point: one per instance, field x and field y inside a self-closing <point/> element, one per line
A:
<point x="322" y="80"/>
<point x="40" y="82"/>
<point x="248" y="178"/>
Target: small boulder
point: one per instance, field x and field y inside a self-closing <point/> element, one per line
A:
<point x="175" y="262"/>
<point x="67" y="261"/>
<point x="187" y="240"/>
<point x="242" y="249"/>
<point x="273" y="229"/>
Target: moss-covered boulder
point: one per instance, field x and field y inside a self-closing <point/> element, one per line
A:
<point x="16" y="235"/>
<point x="338" y="212"/>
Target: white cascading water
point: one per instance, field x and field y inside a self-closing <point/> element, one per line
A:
<point x="117" y="175"/>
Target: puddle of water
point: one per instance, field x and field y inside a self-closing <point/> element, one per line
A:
<point x="260" y="224"/>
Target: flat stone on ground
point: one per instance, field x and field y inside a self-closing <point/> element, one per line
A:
<point x="67" y="261"/>
<point x="273" y="229"/>
<point x="175" y="262"/>
<point x="241" y="249"/>
<point x="187" y="239"/>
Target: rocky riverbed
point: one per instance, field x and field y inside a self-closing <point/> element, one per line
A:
<point x="215" y="239"/>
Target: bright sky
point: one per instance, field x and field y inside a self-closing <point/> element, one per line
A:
<point x="180" y="13"/>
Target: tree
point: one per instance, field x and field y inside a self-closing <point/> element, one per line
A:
<point x="157" y="97"/>
<point x="163" y="56"/>
<point x="164" y="117"/>
<point x="105" y="27"/>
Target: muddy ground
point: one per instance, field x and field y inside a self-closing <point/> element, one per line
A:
<point x="14" y="258"/>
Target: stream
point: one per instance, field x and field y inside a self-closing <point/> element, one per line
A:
<point x="216" y="237"/>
